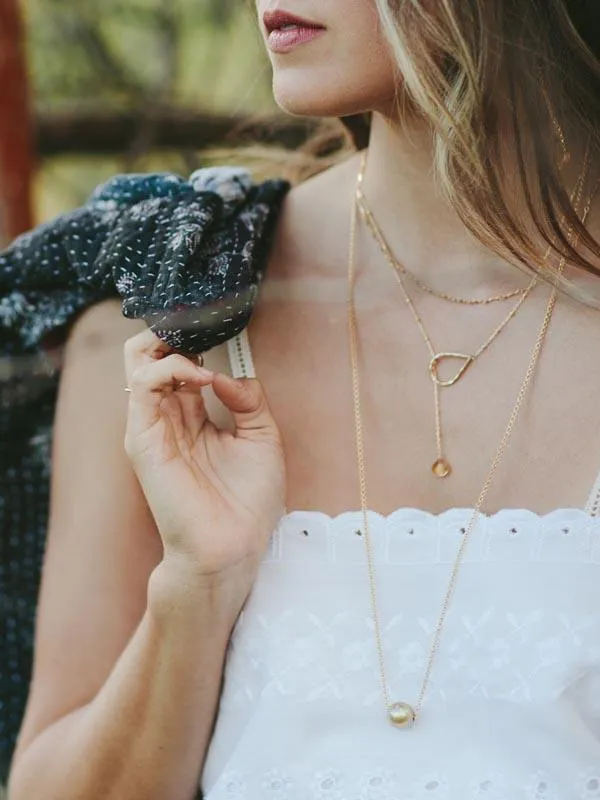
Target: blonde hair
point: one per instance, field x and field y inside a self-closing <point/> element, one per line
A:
<point x="467" y="67"/>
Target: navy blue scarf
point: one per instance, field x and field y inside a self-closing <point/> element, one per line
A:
<point x="185" y="255"/>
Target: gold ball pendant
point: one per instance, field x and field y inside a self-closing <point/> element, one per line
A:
<point x="441" y="468"/>
<point x="401" y="715"/>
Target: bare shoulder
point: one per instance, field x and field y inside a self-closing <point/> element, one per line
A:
<point x="316" y="210"/>
<point x="102" y="325"/>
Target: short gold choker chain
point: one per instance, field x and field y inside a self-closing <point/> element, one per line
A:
<point x="400" y="713"/>
<point x="395" y="262"/>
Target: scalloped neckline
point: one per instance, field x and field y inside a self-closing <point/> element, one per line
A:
<point x="514" y="511"/>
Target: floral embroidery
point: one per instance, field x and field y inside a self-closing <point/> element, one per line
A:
<point x="328" y="785"/>
<point x="384" y="784"/>
<point x="379" y="785"/>
<point x="276" y="785"/>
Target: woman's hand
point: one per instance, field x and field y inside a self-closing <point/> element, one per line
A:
<point x="216" y="496"/>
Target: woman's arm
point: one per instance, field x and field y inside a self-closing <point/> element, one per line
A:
<point x="146" y="732"/>
<point x="129" y="653"/>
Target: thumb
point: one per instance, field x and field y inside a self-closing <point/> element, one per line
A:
<point x="245" y="399"/>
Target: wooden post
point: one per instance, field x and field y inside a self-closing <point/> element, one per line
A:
<point x="16" y="146"/>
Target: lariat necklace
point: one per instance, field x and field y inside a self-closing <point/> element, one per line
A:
<point x="441" y="467"/>
<point x="400" y="713"/>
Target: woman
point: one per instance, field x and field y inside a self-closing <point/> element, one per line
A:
<point x="413" y="647"/>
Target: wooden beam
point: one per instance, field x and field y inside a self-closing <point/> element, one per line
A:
<point x="172" y="129"/>
<point x="16" y="167"/>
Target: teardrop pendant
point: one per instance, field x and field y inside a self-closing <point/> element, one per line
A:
<point x="465" y="362"/>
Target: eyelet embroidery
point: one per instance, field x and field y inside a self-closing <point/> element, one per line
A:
<point x="328" y="785"/>
<point x="276" y="785"/>
<point x="411" y="536"/>
<point x="589" y="785"/>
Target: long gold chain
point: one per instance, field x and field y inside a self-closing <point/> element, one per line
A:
<point x="399" y="713"/>
<point x="403" y="269"/>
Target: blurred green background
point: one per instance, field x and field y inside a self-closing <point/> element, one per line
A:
<point x="102" y="63"/>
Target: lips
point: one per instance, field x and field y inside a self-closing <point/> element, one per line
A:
<point x="281" y="20"/>
<point x="287" y="31"/>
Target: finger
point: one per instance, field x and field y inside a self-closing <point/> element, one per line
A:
<point x="158" y="378"/>
<point x="146" y="348"/>
<point x="245" y="399"/>
<point x="152" y="384"/>
<point x="143" y="348"/>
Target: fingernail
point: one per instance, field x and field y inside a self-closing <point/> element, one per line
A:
<point x="205" y="373"/>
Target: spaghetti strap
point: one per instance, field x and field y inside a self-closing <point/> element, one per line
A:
<point x="592" y="507"/>
<point x="240" y="356"/>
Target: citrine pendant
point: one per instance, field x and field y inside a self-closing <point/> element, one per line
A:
<point x="441" y="468"/>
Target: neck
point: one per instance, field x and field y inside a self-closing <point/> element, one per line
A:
<point x="432" y="242"/>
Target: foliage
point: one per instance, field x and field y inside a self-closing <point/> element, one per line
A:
<point x="141" y="55"/>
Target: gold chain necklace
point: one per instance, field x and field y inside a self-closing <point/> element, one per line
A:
<point x="402" y="714"/>
<point x="441" y="467"/>
<point x="377" y="234"/>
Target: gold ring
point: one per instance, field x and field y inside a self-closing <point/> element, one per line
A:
<point x="179" y="385"/>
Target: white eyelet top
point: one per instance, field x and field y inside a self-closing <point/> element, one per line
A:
<point x="513" y="707"/>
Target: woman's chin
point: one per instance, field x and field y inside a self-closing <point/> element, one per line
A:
<point x="318" y="93"/>
<point x="304" y="99"/>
